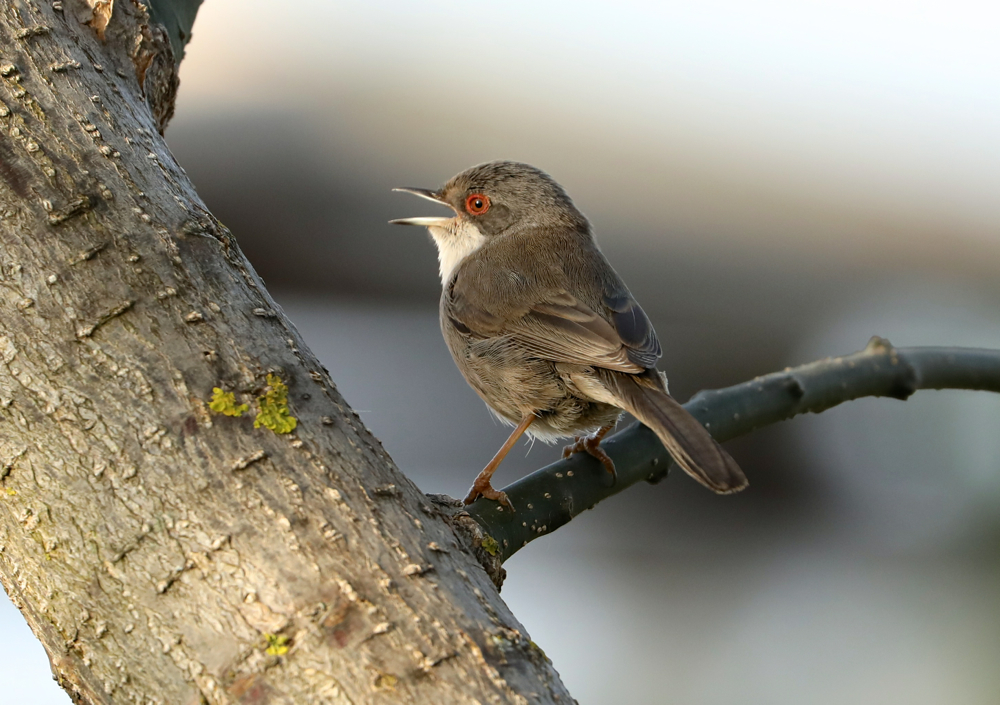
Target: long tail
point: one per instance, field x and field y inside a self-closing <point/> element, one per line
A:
<point x="681" y="434"/>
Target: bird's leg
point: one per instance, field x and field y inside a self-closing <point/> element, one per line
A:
<point x="591" y="444"/>
<point x="482" y="484"/>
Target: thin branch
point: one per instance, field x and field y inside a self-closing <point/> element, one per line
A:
<point x="177" y="17"/>
<point x="552" y="496"/>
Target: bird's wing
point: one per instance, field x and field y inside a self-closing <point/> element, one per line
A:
<point x="557" y="326"/>
<point x="563" y="329"/>
<point x="633" y="327"/>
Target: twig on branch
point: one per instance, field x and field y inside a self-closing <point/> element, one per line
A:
<point x="177" y="17"/>
<point x="552" y="496"/>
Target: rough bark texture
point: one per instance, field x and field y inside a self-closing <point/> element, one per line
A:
<point x="164" y="553"/>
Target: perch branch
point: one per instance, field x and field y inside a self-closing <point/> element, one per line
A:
<point x="550" y="497"/>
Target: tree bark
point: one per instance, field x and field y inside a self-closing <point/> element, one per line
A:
<point x="162" y="552"/>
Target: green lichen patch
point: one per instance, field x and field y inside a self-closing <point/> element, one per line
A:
<point x="277" y="644"/>
<point x="490" y="545"/>
<point x="225" y="403"/>
<point x="273" y="410"/>
<point x="538" y="650"/>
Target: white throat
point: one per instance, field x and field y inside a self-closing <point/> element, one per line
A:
<point x="454" y="244"/>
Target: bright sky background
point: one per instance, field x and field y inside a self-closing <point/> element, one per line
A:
<point x="867" y="111"/>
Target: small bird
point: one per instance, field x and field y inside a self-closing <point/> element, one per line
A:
<point x="545" y="330"/>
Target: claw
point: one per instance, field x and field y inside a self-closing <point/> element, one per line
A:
<point x="482" y="487"/>
<point x="485" y="489"/>
<point x="591" y="445"/>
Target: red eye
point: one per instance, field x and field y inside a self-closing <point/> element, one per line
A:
<point x="477" y="204"/>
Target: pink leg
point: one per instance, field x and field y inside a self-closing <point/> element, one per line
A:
<point x="591" y="444"/>
<point x="482" y="486"/>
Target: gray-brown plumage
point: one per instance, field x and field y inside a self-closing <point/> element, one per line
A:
<point x="544" y="329"/>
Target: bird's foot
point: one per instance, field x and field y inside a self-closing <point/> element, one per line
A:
<point x="482" y="488"/>
<point x="591" y="445"/>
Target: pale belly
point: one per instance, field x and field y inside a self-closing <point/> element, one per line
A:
<point x="514" y="384"/>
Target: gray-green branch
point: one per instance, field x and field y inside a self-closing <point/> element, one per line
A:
<point x="552" y="496"/>
<point x="177" y="17"/>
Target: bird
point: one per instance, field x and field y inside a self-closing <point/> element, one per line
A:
<point x="543" y="328"/>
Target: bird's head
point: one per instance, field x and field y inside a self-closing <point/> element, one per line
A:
<point x="488" y="201"/>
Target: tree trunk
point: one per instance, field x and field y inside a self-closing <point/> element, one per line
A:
<point x="163" y="552"/>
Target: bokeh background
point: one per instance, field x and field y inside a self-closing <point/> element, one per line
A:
<point x="777" y="182"/>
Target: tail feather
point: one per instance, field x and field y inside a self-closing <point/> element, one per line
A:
<point x="682" y="435"/>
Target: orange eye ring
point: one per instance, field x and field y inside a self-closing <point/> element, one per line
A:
<point x="477" y="203"/>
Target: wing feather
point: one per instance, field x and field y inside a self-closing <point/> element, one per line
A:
<point x="561" y="328"/>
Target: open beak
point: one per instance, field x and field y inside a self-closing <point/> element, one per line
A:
<point x="427" y="222"/>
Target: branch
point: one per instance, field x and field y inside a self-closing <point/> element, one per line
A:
<point x="177" y="17"/>
<point x="551" y="497"/>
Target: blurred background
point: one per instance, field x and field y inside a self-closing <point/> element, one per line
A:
<point x="777" y="182"/>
